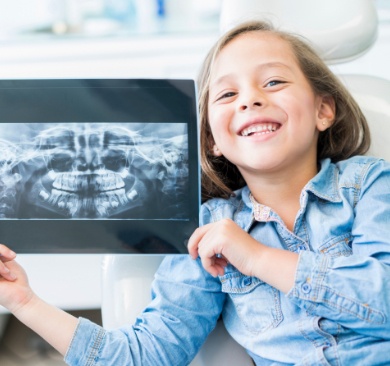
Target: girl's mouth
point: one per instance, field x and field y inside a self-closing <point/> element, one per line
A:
<point x="260" y="129"/>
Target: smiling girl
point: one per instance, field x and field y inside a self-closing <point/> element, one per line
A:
<point x="293" y="250"/>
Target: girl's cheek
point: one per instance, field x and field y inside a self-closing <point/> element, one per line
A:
<point x="217" y="115"/>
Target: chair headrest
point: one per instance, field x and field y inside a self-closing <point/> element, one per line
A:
<point x="340" y="30"/>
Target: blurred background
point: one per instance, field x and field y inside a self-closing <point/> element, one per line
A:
<point x="111" y="39"/>
<point x="125" y="38"/>
<point x="105" y="38"/>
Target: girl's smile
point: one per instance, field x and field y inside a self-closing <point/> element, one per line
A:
<point x="260" y="129"/>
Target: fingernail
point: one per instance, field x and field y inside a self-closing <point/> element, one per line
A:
<point x="11" y="276"/>
<point x="13" y="253"/>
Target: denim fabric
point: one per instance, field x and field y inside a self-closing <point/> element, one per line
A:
<point x="337" y="312"/>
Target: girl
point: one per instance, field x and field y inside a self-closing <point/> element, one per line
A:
<point x="294" y="248"/>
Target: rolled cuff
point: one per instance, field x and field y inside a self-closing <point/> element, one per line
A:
<point x="85" y="344"/>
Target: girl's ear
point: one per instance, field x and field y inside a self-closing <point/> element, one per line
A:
<point x="326" y="112"/>
<point x="216" y="151"/>
<point x="213" y="148"/>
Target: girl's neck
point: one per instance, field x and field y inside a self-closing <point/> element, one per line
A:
<point x="281" y="192"/>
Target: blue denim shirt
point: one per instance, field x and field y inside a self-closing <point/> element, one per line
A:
<point x="337" y="312"/>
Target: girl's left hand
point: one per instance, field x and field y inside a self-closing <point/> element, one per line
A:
<point x="225" y="242"/>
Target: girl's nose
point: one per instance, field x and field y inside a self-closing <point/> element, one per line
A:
<point x="253" y="100"/>
<point x="246" y="106"/>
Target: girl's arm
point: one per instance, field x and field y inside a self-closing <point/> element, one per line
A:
<point x="186" y="304"/>
<point x="351" y="289"/>
<point x="54" y="325"/>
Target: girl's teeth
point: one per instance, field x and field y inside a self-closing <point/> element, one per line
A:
<point x="259" y="129"/>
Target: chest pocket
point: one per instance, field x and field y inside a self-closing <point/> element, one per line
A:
<point x="337" y="247"/>
<point x="256" y="303"/>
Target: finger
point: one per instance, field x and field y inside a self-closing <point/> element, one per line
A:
<point x="220" y="265"/>
<point x="214" y="265"/>
<point x="6" y="273"/>
<point x="222" y="262"/>
<point x="196" y="237"/>
<point x="6" y="254"/>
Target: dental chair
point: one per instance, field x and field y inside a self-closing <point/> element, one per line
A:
<point x="341" y="31"/>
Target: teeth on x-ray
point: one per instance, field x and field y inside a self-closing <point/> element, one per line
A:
<point x="99" y="170"/>
<point x="132" y="195"/>
<point x="85" y="182"/>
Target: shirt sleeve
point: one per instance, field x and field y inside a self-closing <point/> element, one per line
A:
<point x="186" y="303"/>
<point x="354" y="290"/>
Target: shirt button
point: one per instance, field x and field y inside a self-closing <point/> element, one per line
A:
<point x="306" y="288"/>
<point x="247" y="281"/>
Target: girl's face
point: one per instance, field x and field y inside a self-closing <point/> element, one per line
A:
<point x="263" y="114"/>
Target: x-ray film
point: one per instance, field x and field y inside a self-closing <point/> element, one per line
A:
<point x="98" y="166"/>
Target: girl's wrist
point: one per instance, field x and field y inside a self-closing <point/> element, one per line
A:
<point x="257" y="262"/>
<point x="25" y="306"/>
<point x="276" y="267"/>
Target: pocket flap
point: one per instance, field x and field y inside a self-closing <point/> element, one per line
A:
<point x="238" y="283"/>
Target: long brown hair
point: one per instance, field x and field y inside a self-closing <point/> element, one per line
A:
<point x="347" y="136"/>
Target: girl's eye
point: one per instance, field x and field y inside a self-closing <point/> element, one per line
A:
<point x="274" y="82"/>
<point x="226" y="95"/>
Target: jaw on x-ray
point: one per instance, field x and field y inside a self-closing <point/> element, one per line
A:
<point x="93" y="170"/>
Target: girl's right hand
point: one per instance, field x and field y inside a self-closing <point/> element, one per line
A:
<point x="6" y="255"/>
<point x="14" y="288"/>
<point x="52" y="324"/>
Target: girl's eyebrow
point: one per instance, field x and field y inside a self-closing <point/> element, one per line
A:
<point x="259" y="68"/>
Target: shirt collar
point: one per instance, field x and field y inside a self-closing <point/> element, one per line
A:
<point x="325" y="184"/>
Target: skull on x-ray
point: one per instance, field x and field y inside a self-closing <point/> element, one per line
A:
<point x="94" y="170"/>
<point x="86" y="172"/>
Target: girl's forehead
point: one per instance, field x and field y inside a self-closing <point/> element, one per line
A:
<point x="256" y="47"/>
<point x="263" y="42"/>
